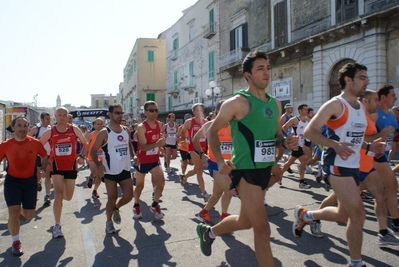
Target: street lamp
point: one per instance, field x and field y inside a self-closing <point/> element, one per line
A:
<point x="213" y="92"/>
<point x="142" y="113"/>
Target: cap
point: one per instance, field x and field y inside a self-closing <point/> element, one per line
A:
<point x="288" y="105"/>
<point x="187" y="116"/>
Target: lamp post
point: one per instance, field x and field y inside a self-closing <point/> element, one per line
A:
<point x="142" y="113"/>
<point x="213" y="92"/>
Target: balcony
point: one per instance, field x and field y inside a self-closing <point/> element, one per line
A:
<point x="174" y="54"/>
<point x="173" y="91"/>
<point x="188" y="85"/>
<point x="209" y="30"/>
<point x="233" y="59"/>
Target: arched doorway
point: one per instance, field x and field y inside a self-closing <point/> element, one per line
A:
<point x="335" y="88"/>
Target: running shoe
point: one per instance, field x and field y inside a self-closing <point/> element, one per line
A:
<point x="205" y="240"/>
<point x="308" y="170"/>
<point x="299" y="223"/>
<point x="206" y="196"/>
<point x="116" y="217"/>
<point x="57" y="231"/>
<point x="16" y="248"/>
<point x="315" y="229"/>
<point x="304" y="185"/>
<point x="157" y="212"/>
<point x="136" y="212"/>
<point x="109" y="227"/>
<point x="280" y="182"/>
<point x="387" y="240"/>
<point x="183" y="180"/>
<point x="47" y="200"/>
<point x="95" y="194"/>
<point x="39" y="187"/>
<point x="205" y="218"/>
<point x="90" y="183"/>
<point x="289" y="170"/>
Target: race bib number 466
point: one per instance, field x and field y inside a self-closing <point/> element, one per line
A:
<point x="265" y="150"/>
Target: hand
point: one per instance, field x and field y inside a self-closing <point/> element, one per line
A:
<point x="291" y="142"/>
<point x="387" y="131"/>
<point x="100" y="170"/>
<point x="136" y="161"/>
<point x="378" y="147"/>
<point x="161" y="142"/>
<point x="225" y="167"/>
<point x="344" y="150"/>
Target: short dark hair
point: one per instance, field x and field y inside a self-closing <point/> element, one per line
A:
<point x="349" y="70"/>
<point x="44" y="114"/>
<point x="113" y="106"/>
<point x="367" y="94"/>
<point x="384" y="90"/>
<point x="247" y="63"/>
<point x="310" y="109"/>
<point x="14" y="121"/>
<point x="149" y="103"/>
<point x="301" y="106"/>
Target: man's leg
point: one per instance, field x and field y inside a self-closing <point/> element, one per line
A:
<point x="13" y="219"/>
<point x="288" y="164"/>
<point x="58" y="185"/>
<point x="199" y="169"/>
<point x="158" y="182"/>
<point x="168" y="153"/>
<point x="112" y="194"/>
<point x="69" y="188"/>
<point x="391" y="185"/>
<point x="139" y="186"/>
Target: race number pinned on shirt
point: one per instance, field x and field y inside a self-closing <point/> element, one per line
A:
<point x="265" y="150"/>
<point x="203" y="139"/>
<point x="63" y="149"/>
<point x="355" y="138"/>
<point x="226" y="147"/>
<point x="172" y="135"/>
<point x="389" y="142"/>
<point x="121" y="153"/>
<point x="153" y="151"/>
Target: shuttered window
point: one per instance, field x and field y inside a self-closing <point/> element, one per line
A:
<point x="239" y="37"/>
<point x="280" y="24"/>
<point x="346" y="9"/>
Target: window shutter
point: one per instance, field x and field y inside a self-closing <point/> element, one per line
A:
<point x="232" y="40"/>
<point x="245" y="35"/>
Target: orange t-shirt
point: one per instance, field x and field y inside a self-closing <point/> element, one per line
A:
<point x="366" y="162"/>
<point x="184" y="145"/>
<point x="99" y="151"/>
<point x="21" y="156"/>
<point x="226" y="144"/>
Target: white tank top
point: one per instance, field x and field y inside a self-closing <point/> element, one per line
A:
<point x="38" y="135"/>
<point x="116" y="152"/>
<point x="298" y="131"/>
<point x="171" y="134"/>
<point x="349" y="127"/>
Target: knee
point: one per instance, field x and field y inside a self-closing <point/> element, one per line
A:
<point x="358" y="216"/>
<point x="29" y="214"/>
<point x="262" y="229"/>
<point x="381" y="198"/>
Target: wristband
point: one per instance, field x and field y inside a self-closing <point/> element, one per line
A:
<point x="82" y="156"/>
<point x="368" y="148"/>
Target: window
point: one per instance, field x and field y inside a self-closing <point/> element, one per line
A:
<point x="346" y="9"/>
<point x="211" y="65"/>
<point x="191" y="73"/>
<point x="239" y="37"/>
<point x="175" y="80"/>
<point x="134" y="64"/>
<point x="211" y="20"/>
<point x="169" y="103"/>
<point x="134" y="99"/>
<point x="175" y="46"/>
<point x="131" y="102"/>
<point x="191" y="33"/>
<point x="106" y="103"/>
<point x="150" y="96"/>
<point x="97" y="103"/>
<point x="280" y="24"/>
<point x="150" y="57"/>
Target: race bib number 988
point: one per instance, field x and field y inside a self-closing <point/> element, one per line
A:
<point x="265" y="150"/>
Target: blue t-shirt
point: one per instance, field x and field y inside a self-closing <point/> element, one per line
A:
<point x="386" y="120"/>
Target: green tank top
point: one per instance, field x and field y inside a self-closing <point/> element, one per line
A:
<point x="254" y="136"/>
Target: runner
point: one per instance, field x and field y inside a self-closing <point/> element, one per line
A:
<point x="387" y="97"/>
<point x="253" y="155"/>
<point x="395" y="144"/>
<point x="298" y="124"/>
<point x="114" y="140"/>
<point x="20" y="185"/>
<point x="62" y="138"/>
<point x="98" y="125"/>
<point x="170" y="131"/>
<point x="184" y="154"/>
<point x="289" y="109"/>
<point x="37" y="132"/>
<point x="193" y="125"/>
<point x="346" y="122"/>
<point x="150" y="141"/>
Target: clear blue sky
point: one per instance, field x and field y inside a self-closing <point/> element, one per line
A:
<point x="74" y="48"/>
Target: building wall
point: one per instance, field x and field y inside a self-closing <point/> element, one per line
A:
<point x="103" y="101"/>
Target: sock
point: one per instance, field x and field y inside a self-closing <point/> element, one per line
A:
<point x="308" y="216"/>
<point x="357" y="263"/>
<point x="204" y="211"/>
<point x="94" y="191"/>
<point x="395" y="222"/>
<point x="136" y="205"/>
<point x="15" y="238"/>
<point x="154" y="204"/>
<point x="224" y="215"/>
<point x="384" y="232"/>
<point x="210" y="234"/>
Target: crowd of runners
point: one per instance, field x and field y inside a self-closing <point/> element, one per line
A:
<point x="351" y="138"/>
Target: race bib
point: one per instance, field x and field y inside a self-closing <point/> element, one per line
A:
<point x="301" y="140"/>
<point x="153" y="151"/>
<point x="172" y="135"/>
<point x="63" y="149"/>
<point x="226" y="147"/>
<point x="187" y="139"/>
<point x="265" y="150"/>
<point x="389" y="142"/>
<point x="355" y="138"/>
<point x="121" y="153"/>
<point x="203" y="139"/>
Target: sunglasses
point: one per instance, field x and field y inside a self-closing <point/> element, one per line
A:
<point x="152" y="110"/>
<point x="118" y="112"/>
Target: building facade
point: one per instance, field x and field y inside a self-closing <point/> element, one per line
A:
<point x="103" y="100"/>
<point x="144" y="77"/>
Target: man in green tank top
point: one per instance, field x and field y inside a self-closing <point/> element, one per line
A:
<point x="253" y="115"/>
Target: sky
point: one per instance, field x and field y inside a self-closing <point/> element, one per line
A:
<point x="74" y="48"/>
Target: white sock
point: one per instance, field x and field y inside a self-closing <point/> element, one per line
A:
<point x="308" y="216"/>
<point x="357" y="263"/>
<point x="15" y="238"/>
<point x="211" y="234"/>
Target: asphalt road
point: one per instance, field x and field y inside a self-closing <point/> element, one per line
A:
<point x="173" y="241"/>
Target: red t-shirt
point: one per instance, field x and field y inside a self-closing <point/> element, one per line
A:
<point x="21" y="156"/>
<point x="195" y="127"/>
<point x="152" y="136"/>
<point x="63" y="148"/>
